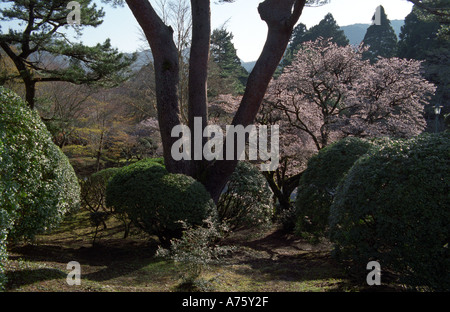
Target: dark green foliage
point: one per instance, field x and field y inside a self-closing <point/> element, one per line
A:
<point x="5" y="225"/>
<point x="424" y="37"/>
<point x="393" y="207"/>
<point x="155" y="200"/>
<point x="158" y="160"/>
<point x="223" y="53"/>
<point x="319" y="181"/>
<point x="40" y="24"/>
<point x="299" y="35"/>
<point x="380" y="37"/>
<point x="247" y="201"/>
<point x="417" y="37"/>
<point x="435" y="10"/>
<point x="37" y="184"/>
<point x="326" y="29"/>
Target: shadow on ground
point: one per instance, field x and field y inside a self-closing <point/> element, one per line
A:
<point x="103" y="262"/>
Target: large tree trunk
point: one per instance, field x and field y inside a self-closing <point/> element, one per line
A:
<point x="280" y="16"/>
<point x="198" y="76"/>
<point x="25" y="74"/>
<point x="165" y="55"/>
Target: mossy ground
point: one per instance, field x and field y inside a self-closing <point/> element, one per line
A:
<point x="262" y="262"/>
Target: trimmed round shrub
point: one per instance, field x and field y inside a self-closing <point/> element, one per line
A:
<point x="156" y="201"/>
<point x="247" y="201"/>
<point x="39" y="186"/>
<point x="393" y="207"/>
<point x="319" y="181"/>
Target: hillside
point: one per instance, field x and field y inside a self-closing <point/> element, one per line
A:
<point x="356" y="32"/>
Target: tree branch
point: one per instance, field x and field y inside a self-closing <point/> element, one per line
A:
<point x="442" y="12"/>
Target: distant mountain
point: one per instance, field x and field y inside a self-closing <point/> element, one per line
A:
<point x="143" y="58"/>
<point x="50" y="61"/>
<point x="248" y="65"/>
<point x="356" y="32"/>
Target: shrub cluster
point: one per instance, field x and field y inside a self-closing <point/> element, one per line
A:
<point x="38" y="186"/>
<point x="247" y="201"/>
<point x="393" y="207"/>
<point x="319" y="181"/>
<point x="196" y="250"/>
<point x="156" y="200"/>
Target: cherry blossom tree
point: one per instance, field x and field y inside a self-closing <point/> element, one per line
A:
<point x="330" y="92"/>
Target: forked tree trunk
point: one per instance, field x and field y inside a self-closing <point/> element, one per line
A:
<point x="198" y="76"/>
<point x="280" y="17"/>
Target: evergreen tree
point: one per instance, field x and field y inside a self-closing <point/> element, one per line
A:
<point x="223" y="53"/>
<point x="41" y="35"/>
<point x="327" y="29"/>
<point x="417" y="37"/>
<point x="380" y="37"/>
<point x="425" y="37"/>
<point x="299" y="35"/>
<point x="435" y="10"/>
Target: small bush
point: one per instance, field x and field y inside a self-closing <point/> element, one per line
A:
<point x="155" y="200"/>
<point x="319" y="181"/>
<point x="195" y="251"/>
<point x="393" y="207"/>
<point x="247" y="201"/>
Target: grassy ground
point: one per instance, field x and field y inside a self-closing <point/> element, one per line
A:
<point x="269" y="262"/>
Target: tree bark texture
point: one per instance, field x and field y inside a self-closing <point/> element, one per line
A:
<point x="198" y="74"/>
<point x="165" y="54"/>
<point x="280" y="17"/>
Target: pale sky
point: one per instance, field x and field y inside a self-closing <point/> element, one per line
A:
<point x="243" y="21"/>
